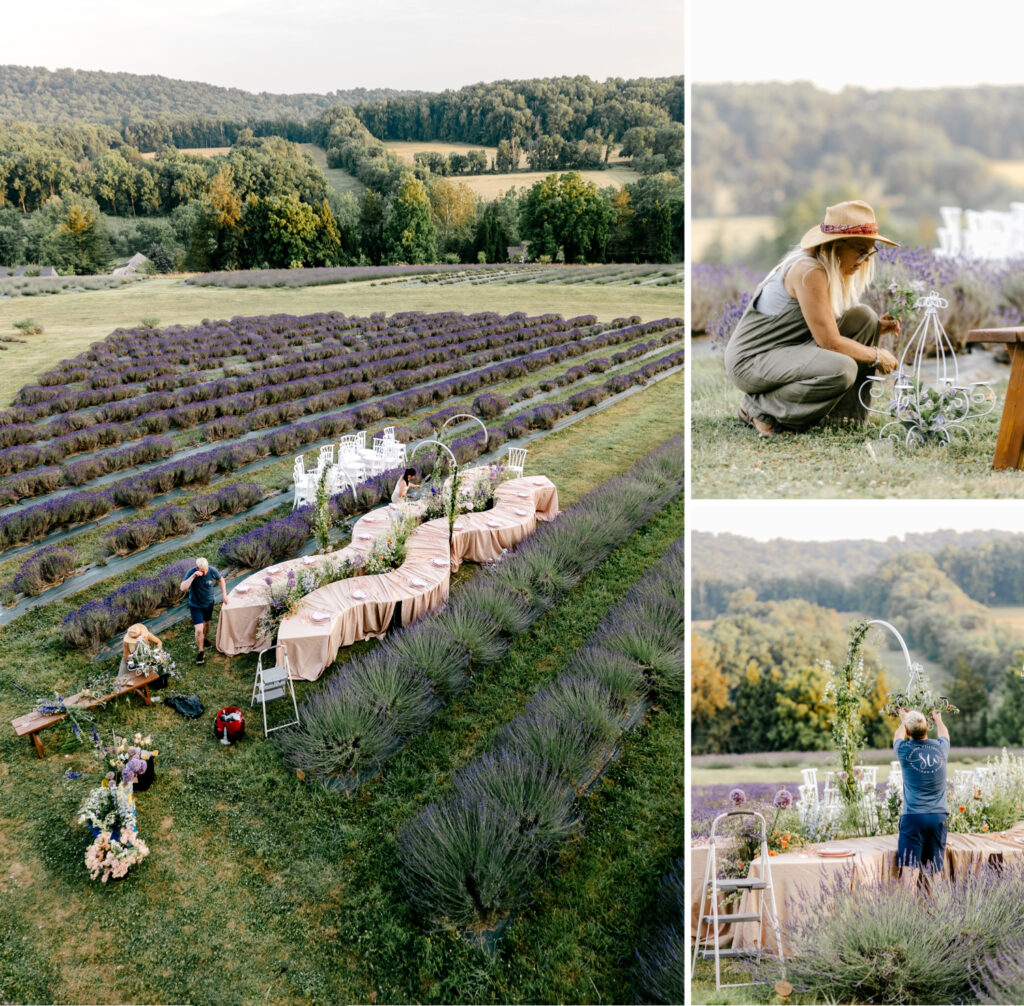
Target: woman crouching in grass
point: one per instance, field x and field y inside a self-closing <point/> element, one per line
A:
<point x="805" y="343"/>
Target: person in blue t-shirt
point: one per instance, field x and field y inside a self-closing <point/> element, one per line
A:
<point x="922" y="841"/>
<point x="200" y="583"/>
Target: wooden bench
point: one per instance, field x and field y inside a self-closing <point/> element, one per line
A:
<point x="31" y="723"/>
<point x="1010" y="444"/>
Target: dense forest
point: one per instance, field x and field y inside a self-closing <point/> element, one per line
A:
<point x="757" y="147"/>
<point x="77" y="195"/>
<point x="934" y="588"/>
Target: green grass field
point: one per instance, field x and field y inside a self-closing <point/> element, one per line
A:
<point x="733" y="237"/>
<point x="830" y="461"/>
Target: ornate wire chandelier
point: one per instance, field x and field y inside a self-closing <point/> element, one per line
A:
<point x="927" y="402"/>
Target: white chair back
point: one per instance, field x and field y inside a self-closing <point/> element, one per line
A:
<point x="326" y="455"/>
<point x="389" y="433"/>
<point x="516" y="460"/>
<point x="300" y="465"/>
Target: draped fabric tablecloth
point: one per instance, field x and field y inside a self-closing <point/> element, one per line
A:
<point x="799" y="877"/>
<point x="333" y="616"/>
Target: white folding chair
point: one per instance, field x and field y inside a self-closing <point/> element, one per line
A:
<point x="516" y="460"/>
<point x="305" y="485"/>
<point x="273" y="683"/>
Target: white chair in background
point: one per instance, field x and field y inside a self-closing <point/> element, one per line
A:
<point x="347" y="446"/>
<point x="273" y="683"/>
<point x="869" y="778"/>
<point x="516" y="460"/>
<point x="389" y="433"/>
<point x="380" y="462"/>
<point x="326" y="456"/>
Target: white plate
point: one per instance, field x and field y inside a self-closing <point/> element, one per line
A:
<point x="417" y="583"/>
<point x="320" y="616"/>
<point x="440" y="563"/>
<point x="837" y="853"/>
<point x="493" y="523"/>
<point x="524" y="496"/>
<point x="539" y="482"/>
<point x="366" y="537"/>
<point x="242" y="590"/>
<point x="370" y="520"/>
<point x="273" y="569"/>
<point x="309" y="561"/>
<point x="359" y="595"/>
<point x="523" y="513"/>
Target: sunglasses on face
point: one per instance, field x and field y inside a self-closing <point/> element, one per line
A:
<point x="862" y="257"/>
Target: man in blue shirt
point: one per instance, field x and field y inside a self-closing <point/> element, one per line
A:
<point x="922" y="841"/>
<point x="200" y="583"/>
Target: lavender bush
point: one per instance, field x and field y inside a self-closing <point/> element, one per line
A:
<point x="45" y="568"/>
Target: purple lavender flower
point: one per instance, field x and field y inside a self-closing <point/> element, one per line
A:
<point x="738" y="797"/>
<point x="783" y="799"/>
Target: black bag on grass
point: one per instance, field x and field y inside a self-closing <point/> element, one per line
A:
<point x="188" y="706"/>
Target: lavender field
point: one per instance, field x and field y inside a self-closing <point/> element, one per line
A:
<point x="158" y="443"/>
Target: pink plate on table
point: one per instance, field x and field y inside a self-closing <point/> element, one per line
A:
<point x="837" y="853"/>
<point x="366" y="537"/>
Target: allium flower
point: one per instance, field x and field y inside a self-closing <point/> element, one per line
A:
<point x="738" y="797"/>
<point x="783" y="799"/>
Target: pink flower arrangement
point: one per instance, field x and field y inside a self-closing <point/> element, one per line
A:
<point x="108" y="857"/>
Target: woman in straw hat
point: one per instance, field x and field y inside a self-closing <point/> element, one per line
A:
<point x="805" y="343"/>
<point x="135" y="635"/>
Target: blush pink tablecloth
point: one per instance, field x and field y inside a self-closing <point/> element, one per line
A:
<point x="312" y="643"/>
<point x="798" y="877"/>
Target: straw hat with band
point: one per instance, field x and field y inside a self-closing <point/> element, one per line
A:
<point x="136" y="630"/>
<point x="854" y="219"/>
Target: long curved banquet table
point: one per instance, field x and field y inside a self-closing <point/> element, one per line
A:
<point x="362" y="607"/>
<point x="799" y="877"/>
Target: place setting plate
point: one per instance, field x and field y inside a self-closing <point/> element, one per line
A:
<point x="359" y="595"/>
<point x="440" y="563"/>
<point x="837" y="853"/>
<point x="319" y="616"/>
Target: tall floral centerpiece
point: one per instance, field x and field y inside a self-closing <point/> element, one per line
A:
<point x="452" y="503"/>
<point x="845" y="689"/>
<point x="322" y="513"/>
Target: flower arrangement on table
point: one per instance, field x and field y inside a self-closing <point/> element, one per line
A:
<point x="110" y="812"/>
<point x="150" y="658"/>
<point x="284" y="597"/>
<point x="388" y="551"/>
<point x="992" y="800"/>
<point x="920" y="695"/>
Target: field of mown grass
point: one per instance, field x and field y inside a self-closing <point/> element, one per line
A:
<point x="261" y="888"/>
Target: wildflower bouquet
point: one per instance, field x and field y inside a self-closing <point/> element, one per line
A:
<point x="109" y="808"/>
<point x="930" y="414"/>
<point x="113" y="857"/>
<point x="155" y="659"/>
<point x="919" y="694"/>
<point x="388" y="551"/>
<point x="284" y="598"/>
<point x="901" y="298"/>
<point x="127" y="760"/>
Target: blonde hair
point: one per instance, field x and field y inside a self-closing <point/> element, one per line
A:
<point x="916" y="724"/>
<point x="844" y="291"/>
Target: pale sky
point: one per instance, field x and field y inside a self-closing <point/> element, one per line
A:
<point x="877" y="44"/>
<point x="325" y="45"/>
<point x="831" y="520"/>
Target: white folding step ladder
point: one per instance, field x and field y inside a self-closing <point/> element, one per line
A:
<point x="710" y="916"/>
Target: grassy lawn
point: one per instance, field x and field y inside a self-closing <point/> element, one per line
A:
<point x="730" y="460"/>
<point x="260" y="888"/>
<point x="492" y="186"/>
<point x="72" y="321"/>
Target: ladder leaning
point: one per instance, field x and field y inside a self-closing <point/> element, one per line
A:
<point x="715" y="885"/>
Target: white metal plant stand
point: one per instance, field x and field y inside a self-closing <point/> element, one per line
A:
<point x="928" y="400"/>
<point x="710" y="945"/>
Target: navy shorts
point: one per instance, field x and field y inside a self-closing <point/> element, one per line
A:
<point x="200" y="615"/>
<point x="922" y="842"/>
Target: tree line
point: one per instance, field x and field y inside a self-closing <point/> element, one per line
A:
<point x="760" y="146"/>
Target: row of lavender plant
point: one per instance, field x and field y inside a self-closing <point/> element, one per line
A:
<point x="95" y="622"/>
<point x="371" y="707"/>
<point x="38" y="481"/>
<point x="33" y="522"/>
<point x="471" y="859"/>
<point x="50" y="565"/>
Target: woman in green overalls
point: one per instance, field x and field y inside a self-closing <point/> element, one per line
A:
<point x="805" y="344"/>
